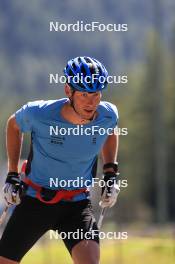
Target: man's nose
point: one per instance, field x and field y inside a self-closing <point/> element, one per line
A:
<point x="91" y="101"/>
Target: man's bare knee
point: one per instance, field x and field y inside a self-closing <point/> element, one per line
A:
<point x="86" y="253"/>
<point x="7" y="261"/>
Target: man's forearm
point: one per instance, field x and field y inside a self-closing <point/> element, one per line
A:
<point x="110" y="149"/>
<point x="13" y="144"/>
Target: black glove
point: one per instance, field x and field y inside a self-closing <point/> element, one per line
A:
<point x="110" y="178"/>
<point x="13" y="189"/>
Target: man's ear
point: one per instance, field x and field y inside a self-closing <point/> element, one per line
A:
<point x="68" y="90"/>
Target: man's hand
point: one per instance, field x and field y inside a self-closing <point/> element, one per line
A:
<point x="13" y="189"/>
<point x="110" y="191"/>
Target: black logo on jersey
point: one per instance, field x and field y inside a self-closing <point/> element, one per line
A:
<point x="94" y="140"/>
<point x="57" y="140"/>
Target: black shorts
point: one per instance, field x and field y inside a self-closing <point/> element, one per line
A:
<point x="32" y="218"/>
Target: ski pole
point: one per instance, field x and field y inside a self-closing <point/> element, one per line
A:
<point x="4" y="213"/>
<point x="101" y="217"/>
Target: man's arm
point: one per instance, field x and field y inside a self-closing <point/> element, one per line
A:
<point x="110" y="150"/>
<point x="14" y="139"/>
<point x="110" y="172"/>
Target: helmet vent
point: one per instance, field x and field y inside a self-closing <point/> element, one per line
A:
<point x="87" y="60"/>
<point x="91" y="68"/>
<point x="100" y="71"/>
<point x="83" y="70"/>
<point x="71" y="72"/>
<point x="74" y="66"/>
<point x="79" y="60"/>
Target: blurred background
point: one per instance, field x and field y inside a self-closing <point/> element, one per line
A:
<point x="146" y="104"/>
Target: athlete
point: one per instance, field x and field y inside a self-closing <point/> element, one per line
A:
<point x="47" y="199"/>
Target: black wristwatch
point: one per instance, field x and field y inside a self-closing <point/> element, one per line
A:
<point x="13" y="178"/>
<point x="112" y="165"/>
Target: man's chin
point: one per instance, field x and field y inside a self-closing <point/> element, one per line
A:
<point x="88" y="116"/>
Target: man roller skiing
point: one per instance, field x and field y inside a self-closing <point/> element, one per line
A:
<point x="41" y="206"/>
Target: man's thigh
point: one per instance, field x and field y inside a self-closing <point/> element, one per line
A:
<point x="7" y="261"/>
<point x="79" y="225"/>
<point x="29" y="221"/>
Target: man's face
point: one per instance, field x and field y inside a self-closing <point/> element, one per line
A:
<point x="86" y="103"/>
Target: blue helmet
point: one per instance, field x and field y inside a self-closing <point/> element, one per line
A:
<point x="91" y="75"/>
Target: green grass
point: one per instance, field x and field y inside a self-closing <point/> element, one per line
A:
<point x="130" y="251"/>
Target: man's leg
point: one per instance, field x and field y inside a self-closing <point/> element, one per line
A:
<point x="82" y="234"/>
<point x="29" y="221"/>
<point x="7" y="261"/>
<point x="86" y="253"/>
